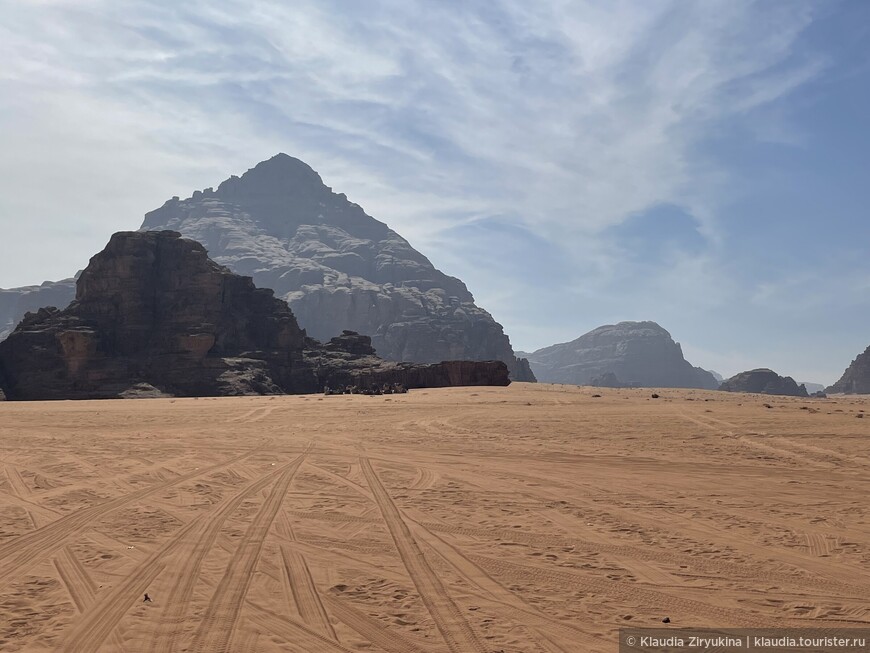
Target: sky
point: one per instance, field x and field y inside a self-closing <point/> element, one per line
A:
<point x="701" y="164"/>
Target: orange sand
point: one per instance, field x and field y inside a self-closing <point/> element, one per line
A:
<point x="525" y="519"/>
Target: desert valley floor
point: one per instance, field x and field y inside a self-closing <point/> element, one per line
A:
<point x="521" y="519"/>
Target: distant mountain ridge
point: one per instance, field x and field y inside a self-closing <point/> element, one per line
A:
<point x="337" y="267"/>
<point x="15" y="302"/>
<point x="764" y="381"/>
<point x="812" y="387"/>
<point x="627" y="353"/>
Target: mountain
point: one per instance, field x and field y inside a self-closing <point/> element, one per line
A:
<point x="764" y="381"/>
<point x="153" y="315"/>
<point x="856" y="378"/>
<point x="337" y="267"/>
<point x="628" y="353"/>
<point x="719" y="378"/>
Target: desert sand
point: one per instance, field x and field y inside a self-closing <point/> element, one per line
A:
<point x="521" y="519"/>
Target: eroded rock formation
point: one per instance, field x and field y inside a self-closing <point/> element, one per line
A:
<point x="336" y="266"/>
<point x="856" y="378"/>
<point x="350" y="360"/>
<point x="154" y="315"/>
<point x="764" y="381"/>
<point x="632" y="353"/>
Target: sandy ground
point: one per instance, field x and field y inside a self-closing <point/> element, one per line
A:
<point x="532" y="518"/>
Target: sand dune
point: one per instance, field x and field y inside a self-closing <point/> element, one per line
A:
<point x="533" y="518"/>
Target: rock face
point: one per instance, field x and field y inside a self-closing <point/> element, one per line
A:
<point x="154" y="315"/>
<point x="336" y="266"/>
<point x="628" y="353"/>
<point x="764" y="381"/>
<point x="15" y="302"/>
<point x="350" y="360"/>
<point x="856" y="378"/>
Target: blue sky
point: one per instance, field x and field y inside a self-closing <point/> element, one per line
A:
<point x="704" y="165"/>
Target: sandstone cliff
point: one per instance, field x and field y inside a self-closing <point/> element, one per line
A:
<point x="764" y="381"/>
<point x="336" y="266"/>
<point x="154" y="315"/>
<point x="632" y="353"/>
<point x="856" y="378"/>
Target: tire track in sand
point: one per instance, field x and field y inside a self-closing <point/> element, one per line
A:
<point x="292" y="631"/>
<point x="425" y="479"/>
<point x="173" y="615"/>
<point x="19" y="487"/>
<point x="507" y="603"/>
<point x="371" y="629"/>
<point x="254" y="415"/>
<point x="625" y="593"/>
<point x="305" y="593"/>
<point x="46" y="515"/>
<point x="101" y="618"/>
<point x="516" y="610"/>
<point x="80" y="586"/>
<point x="343" y="481"/>
<point x="218" y="625"/>
<point x="17" y="555"/>
<point x="457" y="633"/>
<point x="246" y="641"/>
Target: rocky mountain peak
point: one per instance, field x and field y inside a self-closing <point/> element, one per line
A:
<point x="337" y="267"/>
<point x="281" y="176"/>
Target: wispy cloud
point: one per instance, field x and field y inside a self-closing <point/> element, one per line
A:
<point x="569" y="116"/>
<point x="553" y="119"/>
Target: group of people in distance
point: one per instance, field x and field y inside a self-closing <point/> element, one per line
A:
<point x="386" y="389"/>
